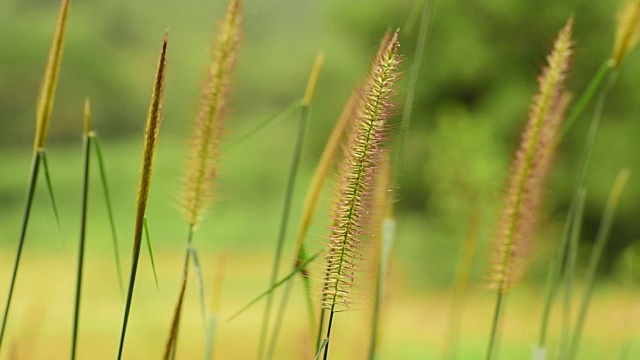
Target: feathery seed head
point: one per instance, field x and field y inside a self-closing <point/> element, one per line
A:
<point x="628" y="32"/>
<point x="207" y="132"/>
<point x="152" y="130"/>
<point x="357" y="174"/>
<point x="531" y="164"/>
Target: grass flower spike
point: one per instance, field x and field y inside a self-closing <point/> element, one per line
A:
<point x="628" y="32"/>
<point x="208" y="128"/>
<point x="357" y="176"/>
<point x="151" y="134"/>
<point x="532" y="162"/>
<point x="529" y="172"/>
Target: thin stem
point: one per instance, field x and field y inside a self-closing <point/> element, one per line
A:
<point x="554" y="274"/>
<point x="286" y="210"/>
<point x="326" y="348"/>
<point x="320" y="327"/>
<point x="185" y="274"/>
<point x="35" y="166"/>
<point x="495" y="327"/>
<point x="81" y="243"/>
<point x="602" y="238"/>
<point x="414" y="75"/>
<point x="568" y="272"/>
<point x="586" y="97"/>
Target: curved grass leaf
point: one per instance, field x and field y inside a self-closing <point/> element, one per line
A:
<point x="264" y="125"/>
<point x="153" y="263"/>
<point x="107" y="198"/>
<point x="45" y="167"/>
<point x="199" y="279"/>
<point x="275" y="285"/>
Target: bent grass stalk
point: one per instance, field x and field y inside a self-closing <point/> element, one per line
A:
<point x="207" y="134"/>
<point x="286" y="209"/>
<point x="43" y="116"/>
<point x="151" y="133"/>
<point x="356" y="176"/>
<point x="530" y="169"/>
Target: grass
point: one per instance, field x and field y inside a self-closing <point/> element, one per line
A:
<point x="361" y="225"/>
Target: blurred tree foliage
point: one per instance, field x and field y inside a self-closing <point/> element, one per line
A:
<point x="477" y="78"/>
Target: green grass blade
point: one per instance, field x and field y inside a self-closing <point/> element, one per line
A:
<point x="554" y="275"/>
<point x="81" y="242"/>
<point x="572" y="254"/>
<point x="45" y="167"/>
<point x="388" y="234"/>
<point x="602" y="238"/>
<point x="324" y="344"/>
<point x="284" y="222"/>
<point x="107" y="199"/>
<point x="588" y="94"/>
<point x="199" y="279"/>
<point x="33" y="179"/>
<point x="264" y="125"/>
<point x="211" y="332"/>
<point x="275" y="285"/>
<point x="495" y="327"/>
<point x="153" y="263"/>
<point x="414" y="75"/>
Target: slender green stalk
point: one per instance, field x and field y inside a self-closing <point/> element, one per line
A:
<point x="172" y="343"/>
<point x="602" y="238"/>
<point x="33" y="179"/>
<point x="554" y="275"/>
<point x="587" y="96"/>
<point x="625" y="352"/>
<point x="414" y="76"/>
<point x="286" y="209"/>
<point x="86" y="151"/>
<point x="388" y="233"/>
<point x="572" y="254"/>
<point x="321" y="348"/>
<point x="495" y="327"/>
<point x="107" y="198"/>
<point x="320" y="329"/>
<point x="461" y="284"/>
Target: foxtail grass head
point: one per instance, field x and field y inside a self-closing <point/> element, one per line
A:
<point x="357" y="176"/>
<point x="151" y="133"/>
<point x="50" y="80"/>
<point x="207" y="131"/>
<point x="531" y="164"/>
<point x="628" y="32"/>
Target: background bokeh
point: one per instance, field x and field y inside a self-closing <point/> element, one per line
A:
<point x="476" y="80"/>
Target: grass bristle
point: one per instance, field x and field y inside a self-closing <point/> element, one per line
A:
<point x="628" y="32"/>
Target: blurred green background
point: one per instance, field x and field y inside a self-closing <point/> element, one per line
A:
<point x="476" y="81"/>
